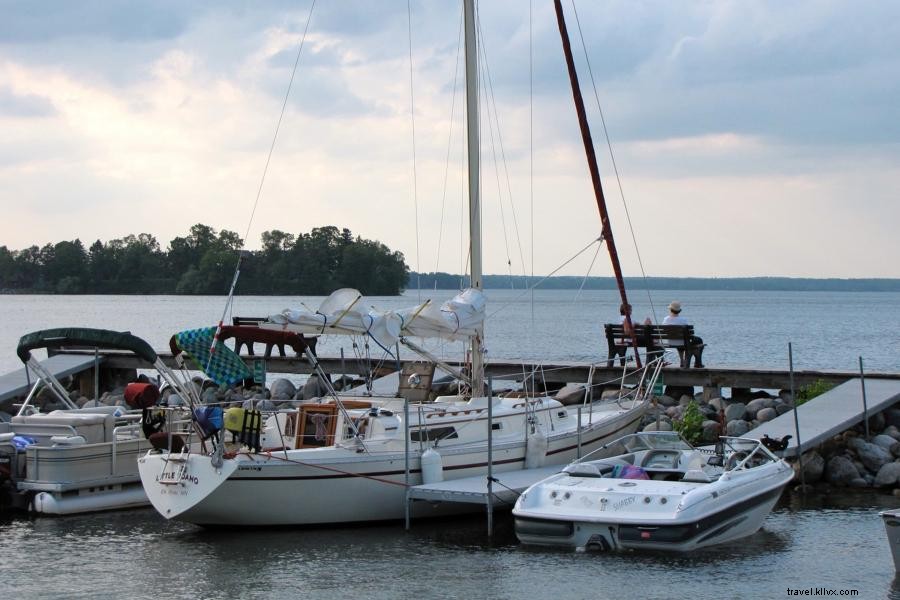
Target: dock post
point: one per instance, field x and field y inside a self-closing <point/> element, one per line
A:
<point x="96" y="375"/>
<point x="862" y="382"/>
<point x="579" y="432"/>
<point x="490" y="475"/>
<point x="406" y="454"/>
<point x="796" y="419"/>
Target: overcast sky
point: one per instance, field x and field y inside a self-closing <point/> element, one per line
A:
<point x="752" y="138"/>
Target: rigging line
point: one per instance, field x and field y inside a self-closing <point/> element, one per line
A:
<point x="545" y="277"/>
<point x="412" y="118"/>
<point x="583" y="281"/>
<point x="490" y="121"/>
<point x="531" y="142"/>
<point x="437" y="260"/>
<point x="493" y="100"/>
<point x="613" y="159"/>
<point x="262" y="180"/>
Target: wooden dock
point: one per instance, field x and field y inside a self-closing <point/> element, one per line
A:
<point x="831" y="413"/>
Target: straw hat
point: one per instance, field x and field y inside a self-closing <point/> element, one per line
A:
<point x="675" y="306"/>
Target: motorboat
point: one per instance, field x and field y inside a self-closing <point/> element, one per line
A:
<point x="653" y="490"/>
<point x="75" y="460"/>
<point x="892" y="528"/>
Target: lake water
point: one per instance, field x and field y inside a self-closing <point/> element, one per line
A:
<point x="835" y="543"/>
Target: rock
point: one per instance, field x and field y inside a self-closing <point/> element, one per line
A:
<point x="675" y="412"/>
<point x="885" y="441"/>
<point x="892" y="431"/>
<point x="888" y="475"/>
<point x="840" y="470"/>
<point x="782" y="409"/>
<point x="685" y="400"/>
<point x="666" y="401"/>
<point x="786" y="397"/>
<point x="313" y="388"/>
<point x="895" y="450"/>
<point x="709" y="412"/>
<point x="261" y="404"/>
<point x="892" y="417"/>
<point x="854" y="443"/>
<point x="873" y="457"/>
<point x="717" y="403"/>
<point x="737" y="428"/>
<point x="813" y="467"/>
<point x="735" y="412"/>
<point x="663" y="426"/>
<point x="858" y="482"/>
<point x="282" y="389"/>
<point x="766" y="414"/>
<point x="754" y="406"/>
<point x="710" y="431"/>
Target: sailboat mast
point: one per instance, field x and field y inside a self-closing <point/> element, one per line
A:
<point x="592" y="165"/>
<point x="474" y="181"/>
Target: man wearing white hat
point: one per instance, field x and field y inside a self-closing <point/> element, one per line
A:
<point x="674" y="318"/>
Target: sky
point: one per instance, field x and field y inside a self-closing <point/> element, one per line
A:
<point x="750" y="138"/>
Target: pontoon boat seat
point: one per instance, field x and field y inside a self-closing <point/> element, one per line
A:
<point x="94" y="428"/>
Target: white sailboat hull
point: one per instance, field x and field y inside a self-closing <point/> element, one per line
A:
<point x="892" y="527"/>
<point x="339" y="485"/>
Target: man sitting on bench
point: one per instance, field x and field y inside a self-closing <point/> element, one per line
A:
<point x="674" y="318"/>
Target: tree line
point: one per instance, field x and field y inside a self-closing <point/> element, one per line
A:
<point x="449" y="281"/>
<point x="203" y="262"/>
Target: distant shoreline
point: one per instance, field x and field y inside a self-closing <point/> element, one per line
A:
<point x="760" y="284"/>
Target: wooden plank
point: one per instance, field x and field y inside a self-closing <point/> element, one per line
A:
<point x="829" y="414"/>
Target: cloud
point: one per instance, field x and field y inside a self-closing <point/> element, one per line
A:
<point x="23" y="105"/>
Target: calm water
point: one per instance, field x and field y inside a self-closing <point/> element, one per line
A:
<point x="835" y="543"/>
<point x="828" y="330"/>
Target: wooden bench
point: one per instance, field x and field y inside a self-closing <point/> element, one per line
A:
<point x="654" y="338"/>
<point x="245" y="331"/>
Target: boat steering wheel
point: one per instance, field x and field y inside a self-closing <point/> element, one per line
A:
<point x="734" y="460"/>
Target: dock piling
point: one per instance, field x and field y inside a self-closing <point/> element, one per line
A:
<point x="862" y="382"/>
<point x="796" y="418"/>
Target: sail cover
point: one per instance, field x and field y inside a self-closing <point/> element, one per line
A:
<point x="346" y="312"/>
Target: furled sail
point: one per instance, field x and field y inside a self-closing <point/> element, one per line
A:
<point x="346" y="312"/>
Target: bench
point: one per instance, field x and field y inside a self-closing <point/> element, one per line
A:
<point x="654" y="338"/>
<point x="246" y="331"/>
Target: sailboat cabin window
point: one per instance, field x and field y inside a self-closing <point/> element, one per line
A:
<point x="435" y="433"/>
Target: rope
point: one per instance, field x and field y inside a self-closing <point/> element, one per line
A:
<point x="262" y="180"/>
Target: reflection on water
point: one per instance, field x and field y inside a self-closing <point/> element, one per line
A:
<point x="833" y="542"/>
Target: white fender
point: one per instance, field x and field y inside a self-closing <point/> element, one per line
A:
<point x="536" y="448"/>
<point x="432" y="466"/>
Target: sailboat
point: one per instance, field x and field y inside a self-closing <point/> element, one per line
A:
<point x="339" y="460"/>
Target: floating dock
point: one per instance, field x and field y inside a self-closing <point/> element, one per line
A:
<point x="507" y="486"/>
<point x="830" y="413"/>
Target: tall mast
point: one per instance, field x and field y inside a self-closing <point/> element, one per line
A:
<point x="592" y="165"/>
<point x="474" y="180"/>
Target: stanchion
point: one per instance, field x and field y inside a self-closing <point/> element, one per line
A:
<point x="862" y="382"/>
<point x="796" y="418"/>
<point x="490" y="474"/>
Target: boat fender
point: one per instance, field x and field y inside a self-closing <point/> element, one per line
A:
<point x="536" y="448"/>
<point x="432" y="466"/>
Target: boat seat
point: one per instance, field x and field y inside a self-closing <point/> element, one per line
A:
<point x="93" y="427"/>
<point x="696" y="476"/>
<point x="661" y="459"/>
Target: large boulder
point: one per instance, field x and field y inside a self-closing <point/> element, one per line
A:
<point x="314" y="388"/>
<point x="813" y="467"/>
<point x="663" y="426"/>
<point x="737" y="428"/>
<point x="840" y="470"/>
<point x="766" y="414"/>
<point x="888" y="475"/>
<point x="885" y="441"/>
<point x="710" y="431"/>
<point x="754" y="406"/>
<point x="873" y="457"/>
<point x="717" y="403"/>
<point x="892" y="431"/>
<point x="282" y="389"/>
<point x="735" y="411"/>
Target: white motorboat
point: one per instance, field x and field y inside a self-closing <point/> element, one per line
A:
<point x="76" y="460"/>
<point x="655" y="491"/>
<point x="892" y="528"/>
